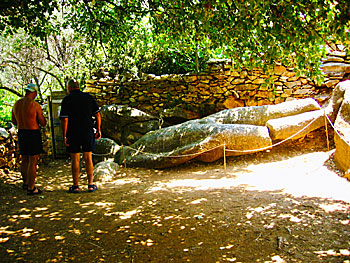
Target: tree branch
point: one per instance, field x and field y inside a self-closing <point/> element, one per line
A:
<point x="12" y="91"/>
<point x="38" y="68"/>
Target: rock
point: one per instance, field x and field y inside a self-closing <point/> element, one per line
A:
<point x="259" y="115"/>
<point x="9" y="155"/>
<point x="237" y="81"/>
<point x="203" y="140"/>
<point x="303" y="91"/>
<point x="334" y="67"/>
<point x="244" y="87"/>
<point x="338" y="53"/>
<point x="342" y="125"/>
<point x="283" y="128"/>
<point x="333" y="59"/>
<point x="3" y="134"/>
<point x="331" y="83"/>
<point x="105" y="149"/>
<point x="178" y="115"/>
<point x="105" y="171"/>
<point x="239" y="131"/>
<point x="342" y="153"/>
<point x="190" y="78"/>
<point x="336" y="99"/>
<point x="232" y="102"/>
<point x="322" y="98"/>
<point x="279" y="70"/>
<point x="259" y="81"/>
<point x="125" y="125"/>
<point x="292" y="84"/>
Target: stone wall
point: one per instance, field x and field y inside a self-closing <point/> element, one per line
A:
<point x="216" y="89"/>
<point x="9" y="149"/>
<point x="9" y="156"/>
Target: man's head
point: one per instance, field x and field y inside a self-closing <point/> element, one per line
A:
<point x="72" y="84"/>
<point x="31" y="88"/>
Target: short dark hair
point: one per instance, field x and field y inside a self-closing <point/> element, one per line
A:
<point x="73" y="84"/>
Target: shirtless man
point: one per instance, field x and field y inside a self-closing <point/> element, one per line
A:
<point x="27" y="115"/>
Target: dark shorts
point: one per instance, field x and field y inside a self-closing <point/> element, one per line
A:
<point x="81" y="143"/>
<point x="30" y="142"/>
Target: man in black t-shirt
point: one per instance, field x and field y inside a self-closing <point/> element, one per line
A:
<point x="77" y="111"/>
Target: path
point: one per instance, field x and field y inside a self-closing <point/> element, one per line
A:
<point x="285" y="205"/>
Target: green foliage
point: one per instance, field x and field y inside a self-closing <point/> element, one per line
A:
<point x="179" y="35"/>
<point x="6" y="102"/>
<point x="31" y="15"/>
<point x="171" y="62"/>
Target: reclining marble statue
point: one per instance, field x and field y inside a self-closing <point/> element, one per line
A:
<point x="239" y="131"/>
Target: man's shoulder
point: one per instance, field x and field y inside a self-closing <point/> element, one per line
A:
<point x="69" y="96"/>
<point x="37" y="104"/>
<point x="77" y="93"/>
<point x="19" y="101"/>
<point x="77" y="97"/>
<point x="88" y="95"/>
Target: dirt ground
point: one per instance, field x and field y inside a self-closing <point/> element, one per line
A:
<point x="289" y="204"/>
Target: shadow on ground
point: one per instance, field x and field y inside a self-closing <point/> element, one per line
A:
<point x="289" y="204"/>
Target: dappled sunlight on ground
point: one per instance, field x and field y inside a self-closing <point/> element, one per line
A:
<point x="309" y="178"/>
<point x="278" y="206"/>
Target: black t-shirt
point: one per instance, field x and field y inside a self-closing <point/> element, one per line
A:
<point x="79" y="107"/>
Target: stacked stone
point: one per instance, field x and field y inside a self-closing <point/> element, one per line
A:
<point x="9" y="157"/>
<point x="47" y="145"/>
<point x="219" y="87"/>
<point x="334" y="67"/>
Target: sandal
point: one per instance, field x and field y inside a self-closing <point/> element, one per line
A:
<point x="74" y="189"/>
<point x="92" y="188"/>
<point x="34" y="191"/>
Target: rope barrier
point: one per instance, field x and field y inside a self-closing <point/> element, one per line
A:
<point x="174" y="156"/>
<point x="276" y="144"/>
<point x="242" y="151"/>
<point x="340" y="135"/>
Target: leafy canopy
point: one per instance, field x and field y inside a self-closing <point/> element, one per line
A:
<point x="128" y="33"/>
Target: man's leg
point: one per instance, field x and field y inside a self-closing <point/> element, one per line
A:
<point x="31" y="170"/>
<point x="75" y="168"/>
<point x="24" y="170"/>
<point x="89" y="166"/>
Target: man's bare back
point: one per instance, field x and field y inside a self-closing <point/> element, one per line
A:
<point x="27" y="114"/>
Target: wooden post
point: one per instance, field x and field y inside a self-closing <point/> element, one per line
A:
<point x="124" y="160"/>
<point x="224" y="157"/>
<point x="325" y="124"/>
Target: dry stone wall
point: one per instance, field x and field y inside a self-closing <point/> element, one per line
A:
<point x="218" y="88"/>
<point x="9" y="148"/>
<point x="9" y="156"/>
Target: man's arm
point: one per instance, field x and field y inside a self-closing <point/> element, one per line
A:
<point x="98" y="122"/>
<point x="64" y="122"/>
<point x="40" y="116"/>
<point x="13" y="117"/>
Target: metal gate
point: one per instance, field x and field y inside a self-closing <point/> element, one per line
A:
<point x="54" y="103"/>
